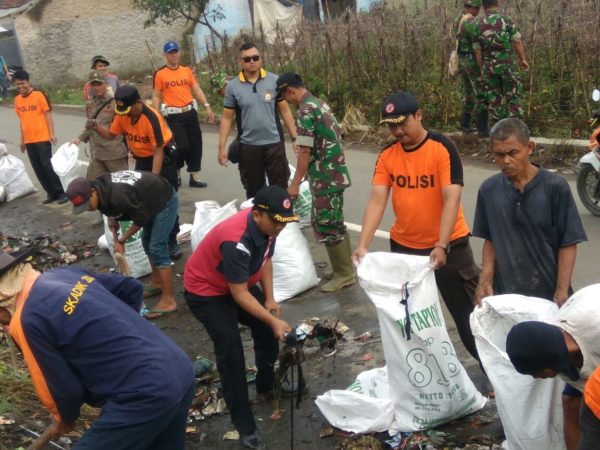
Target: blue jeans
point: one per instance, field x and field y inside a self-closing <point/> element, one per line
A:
<point x="167" y="431"/>
<point x="155" y="237"/>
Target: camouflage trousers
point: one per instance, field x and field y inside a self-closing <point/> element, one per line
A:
<point x="469" y="77"/>
<point x="327" y="217"/>
<point x="501" y="93"/>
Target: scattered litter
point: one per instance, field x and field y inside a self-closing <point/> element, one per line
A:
<point x="326" y="432"/>
<point x="251" y="374"/>
<point x="365" y="337"/>
<point x="185" y="233"/>
<point x="49" y="252"/>
<point x="189" y="430"/>
<point x="6" y="421"/>
<point x="203" y="366"/>
<point x="366" y="357"/>
<point x="231" y="436"/>
<point x="341" y="328"/>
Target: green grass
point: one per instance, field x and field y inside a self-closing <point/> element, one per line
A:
<point x="65" y="95"/>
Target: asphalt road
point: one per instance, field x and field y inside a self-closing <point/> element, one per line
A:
<point x="224" y="184"/>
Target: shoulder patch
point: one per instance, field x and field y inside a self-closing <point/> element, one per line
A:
<point x="242" y="248"/>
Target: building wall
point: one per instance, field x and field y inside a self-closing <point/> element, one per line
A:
<point x="59" y="37"/>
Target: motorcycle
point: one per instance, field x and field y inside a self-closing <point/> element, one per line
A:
<point x="588" y="176"/>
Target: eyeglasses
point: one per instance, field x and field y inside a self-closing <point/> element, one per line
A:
<point x="254" y="58"/>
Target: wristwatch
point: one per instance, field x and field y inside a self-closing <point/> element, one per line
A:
<point x="447" y="247"/>
<point x="206" y="105"/>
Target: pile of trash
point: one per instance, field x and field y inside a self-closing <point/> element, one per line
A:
<point x="49" y="252"/>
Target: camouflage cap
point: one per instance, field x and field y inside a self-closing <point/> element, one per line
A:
<point x="96" y="76"/>
<point x="473" y="3"/>
<point x="218" y="81"/>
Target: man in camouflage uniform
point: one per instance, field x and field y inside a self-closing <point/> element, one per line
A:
<point x="498" y="36"/>
<point x="466" y="32"/>
<point x="321" y="158"/>
<point x="106" y="155"/>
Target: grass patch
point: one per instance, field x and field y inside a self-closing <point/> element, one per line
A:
<point x="65" y="95"/>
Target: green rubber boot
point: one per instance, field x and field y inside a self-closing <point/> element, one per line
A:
<point x="343" y="270"/>
<point x="328" y="274"/>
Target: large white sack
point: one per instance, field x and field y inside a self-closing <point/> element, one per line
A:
<point x="66" y="165"/>
<point x="208" y="214"/>
<point x="428" y="384"/>
<point x="293" y="267"/>
<point x="369" y="396"/>
<point x="356" y="413"/>
<point x="13" y="176"/>
<point x="136" y="257"/>
<point x="530" y="409"/>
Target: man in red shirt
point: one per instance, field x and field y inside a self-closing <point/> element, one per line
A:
<point x="423" y="171"/>
<point x="37" y="135"/>
<point x="221" y="289"/>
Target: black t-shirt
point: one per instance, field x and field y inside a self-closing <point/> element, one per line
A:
<point x="527" y="229"/>
<point x="131" y="195"/>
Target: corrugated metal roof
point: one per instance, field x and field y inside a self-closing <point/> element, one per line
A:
<point x="6" y="4"/>
<point x="14" y="7"/>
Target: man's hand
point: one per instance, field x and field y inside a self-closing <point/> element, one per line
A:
<point x="484" y="289"/>
<point x="210" y="114"/>
<point x="91" y="124"/>
<point x="119" y="248"/>
<point x="23" y="148"/>
<point x="75" y="141"/>
<point x="113" y="225"/>
<point x="222" y="157"/>
<point x="273" y="307"/>
<point x="523" y="65"/>
<point x="60" y="428"/>
<point x="296" y="148"/>
<point x="437" y="257"/>
<point x="358" y="255"/>
<point x="53" y="139"/>
<point x="294" y="190"/>
<point x="560" y="297"/>
<point x="280" y="329"/>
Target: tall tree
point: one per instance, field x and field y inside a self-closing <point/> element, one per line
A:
<point x="194" y="11"/>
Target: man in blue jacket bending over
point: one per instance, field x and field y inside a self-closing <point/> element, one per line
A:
<point x="84" y="341"/>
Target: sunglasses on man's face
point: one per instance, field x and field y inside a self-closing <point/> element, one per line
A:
<point x="254" y="58"/>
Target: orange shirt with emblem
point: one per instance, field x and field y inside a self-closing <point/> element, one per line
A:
<point x="147" y="132"/>
<point x="416" y="178"/>
<point x="31" y="109"/>
<point x="175" y="85"/>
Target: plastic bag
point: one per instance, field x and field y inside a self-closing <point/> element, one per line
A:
<point x="530" y="409"/>
<point x="293" y="267"/>
<point x="453" y="63"/>
<point x="302" y="203"/>
<point x="66" y="164"/>
<point x="13" y="176"/>
<point x="428" y="384"/>
<point x="136" y="257"/>
<point x="208" y="214"/>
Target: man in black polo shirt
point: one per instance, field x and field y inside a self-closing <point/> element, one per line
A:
<point x="221" y="289"/>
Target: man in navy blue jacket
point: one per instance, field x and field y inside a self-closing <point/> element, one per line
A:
<point x="84" y="341"/>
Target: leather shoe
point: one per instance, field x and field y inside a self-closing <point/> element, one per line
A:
<point x="62" y="199"/>
<point x="48" y="200"/>
<point x="197" y="183"/>
<point x="253" y="440"/>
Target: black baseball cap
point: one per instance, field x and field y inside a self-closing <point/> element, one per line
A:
<point x="125" y="98"/>
<point x="99" y="58"/>
<point x="277" y="203"/>
<point x="397" y="107"/>
<point x="78" y="193"/>
<point x="288" y="79"/>
<point x="533" y="346"/>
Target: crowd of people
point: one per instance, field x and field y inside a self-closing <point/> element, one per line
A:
<point x="525" y="215"/>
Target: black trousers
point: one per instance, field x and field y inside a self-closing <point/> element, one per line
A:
<point x="188" y="138"/>
<point x="169" y="173"/>
<point x="457" y="282"/>
<point x="39" y="154"/>
<point x="590" y="429"/>
<point x="258" y="160"/>
<point x="220" y="316"/>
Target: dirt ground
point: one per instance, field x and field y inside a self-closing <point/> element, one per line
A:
<point x="27" y="217"/>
